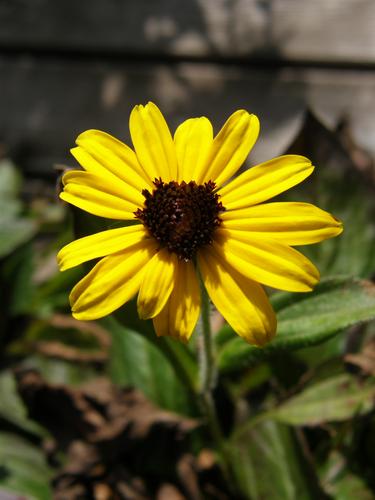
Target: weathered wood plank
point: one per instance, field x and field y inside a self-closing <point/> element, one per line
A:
<point x="319" y="30"/>
<point x="46" y="104"/>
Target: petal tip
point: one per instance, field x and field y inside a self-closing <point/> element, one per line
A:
<point x="62" y="196"/>
<point x="261" y="341"/>
<point x="255" y="119"/>
<point x="87" y="134"/>
<point x="143" y="313"/>
<point x="60" y="260"/>
<point x="81" y="316"/>
<point x="263" y="337"/>
<point x="339" y="223"/>
<point x="309" y="287"/>
<point x="74" y="150"/>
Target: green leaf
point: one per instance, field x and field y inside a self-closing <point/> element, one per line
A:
<point x="136" y="361"/>
<point x="267" y="464"/>
<point x="352" y="252"/>
<point x="340" y="483"/>
<point x="305" y="320"/>
<point x="16" y="273"/>
<point x="325" y="353"/>
<point x="351" y="487"/>
<point x="23" y="468"/>
<point x="10" y="180"/>
<point x="336" y="399"/>
<point x="12" y="408"/>
<point x="14" y="232"/>
<point x="54" y="294"/>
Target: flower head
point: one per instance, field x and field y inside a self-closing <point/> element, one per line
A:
<point x="187" y="220"/>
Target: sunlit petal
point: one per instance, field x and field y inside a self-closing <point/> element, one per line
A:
<point x="264" y="181"/>
<point x="113" y="281"/>
<point x="100" y="151"/>
<point x="193" y="140"/>
<point x="157" y="284"/>
<point x="288" y="222"/>
<point x="99" y="245"/>
<point x="97" y="195"/>
<point x="230" y="148"/>
<point x="241" y="301"/>
<point x="266" y="261"/>
<point x="153" y="142"/>
<point x="180" y="314"/>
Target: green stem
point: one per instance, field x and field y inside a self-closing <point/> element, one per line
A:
<point x="208" y="380"/>
<point x="208" y="371"/>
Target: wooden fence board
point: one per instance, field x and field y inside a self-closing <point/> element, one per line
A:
<point x="340" y="31"/>
<point x="46" y="103"/>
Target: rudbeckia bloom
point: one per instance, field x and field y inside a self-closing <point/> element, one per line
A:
<point x="188" y="220"/>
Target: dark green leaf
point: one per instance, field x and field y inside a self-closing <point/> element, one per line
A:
<point x="11" y="407"/>
<point x="340" y="483"/>
<point x="143" y="364"/>
<point x="23" y="468"/>
<point x="14" y="232"/>
<point x="352" y="252"/>
<point x="267" y="464"/>
<point x="16" y="272"/>
<point x="10" y="180"/>
<point x="55" y="292"/>
<point x="351" y="487"/>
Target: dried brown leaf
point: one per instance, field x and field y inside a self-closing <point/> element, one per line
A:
<point x="168" y="491"/>
<point x="118" y="444"/>
<point x="58" y="350"/>
<point x="66" y="321"/>
<point x="99" y="413"/>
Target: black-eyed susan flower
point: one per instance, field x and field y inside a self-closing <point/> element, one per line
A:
<point x="189" y="219"/>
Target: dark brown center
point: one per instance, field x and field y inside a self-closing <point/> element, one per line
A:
<point x="181" y="216"/>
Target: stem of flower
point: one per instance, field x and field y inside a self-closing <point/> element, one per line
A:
<point x="208" y="372"/>
<point x="208" y="380"/>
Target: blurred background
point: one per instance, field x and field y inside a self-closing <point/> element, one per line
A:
<point x="69" y="66"/>
<point x="307" y="69"/>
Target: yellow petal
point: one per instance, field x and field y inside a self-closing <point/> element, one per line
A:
<point x="267" y="261"/>
<point x="289" y="222"/>
<point x="110" y="186"/>
<point x="264" y="181"/>
<point x="113" y="281"/>
<point x="99" y="196"/>
<point x="153" y="142"/>
<point x="98" y="245"/>
<point x="193" y="140"/>
<point x="180" y="314"/>
<point x="157" y="284"/>
<point x="230" y="148"/>
<point x="241" y="301"/>
<point x="112" y="156"/>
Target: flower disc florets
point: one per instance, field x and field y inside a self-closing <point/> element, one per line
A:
<point x="181" y="216"/>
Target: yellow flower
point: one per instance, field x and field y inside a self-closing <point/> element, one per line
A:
<point x="186" y="220"/>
